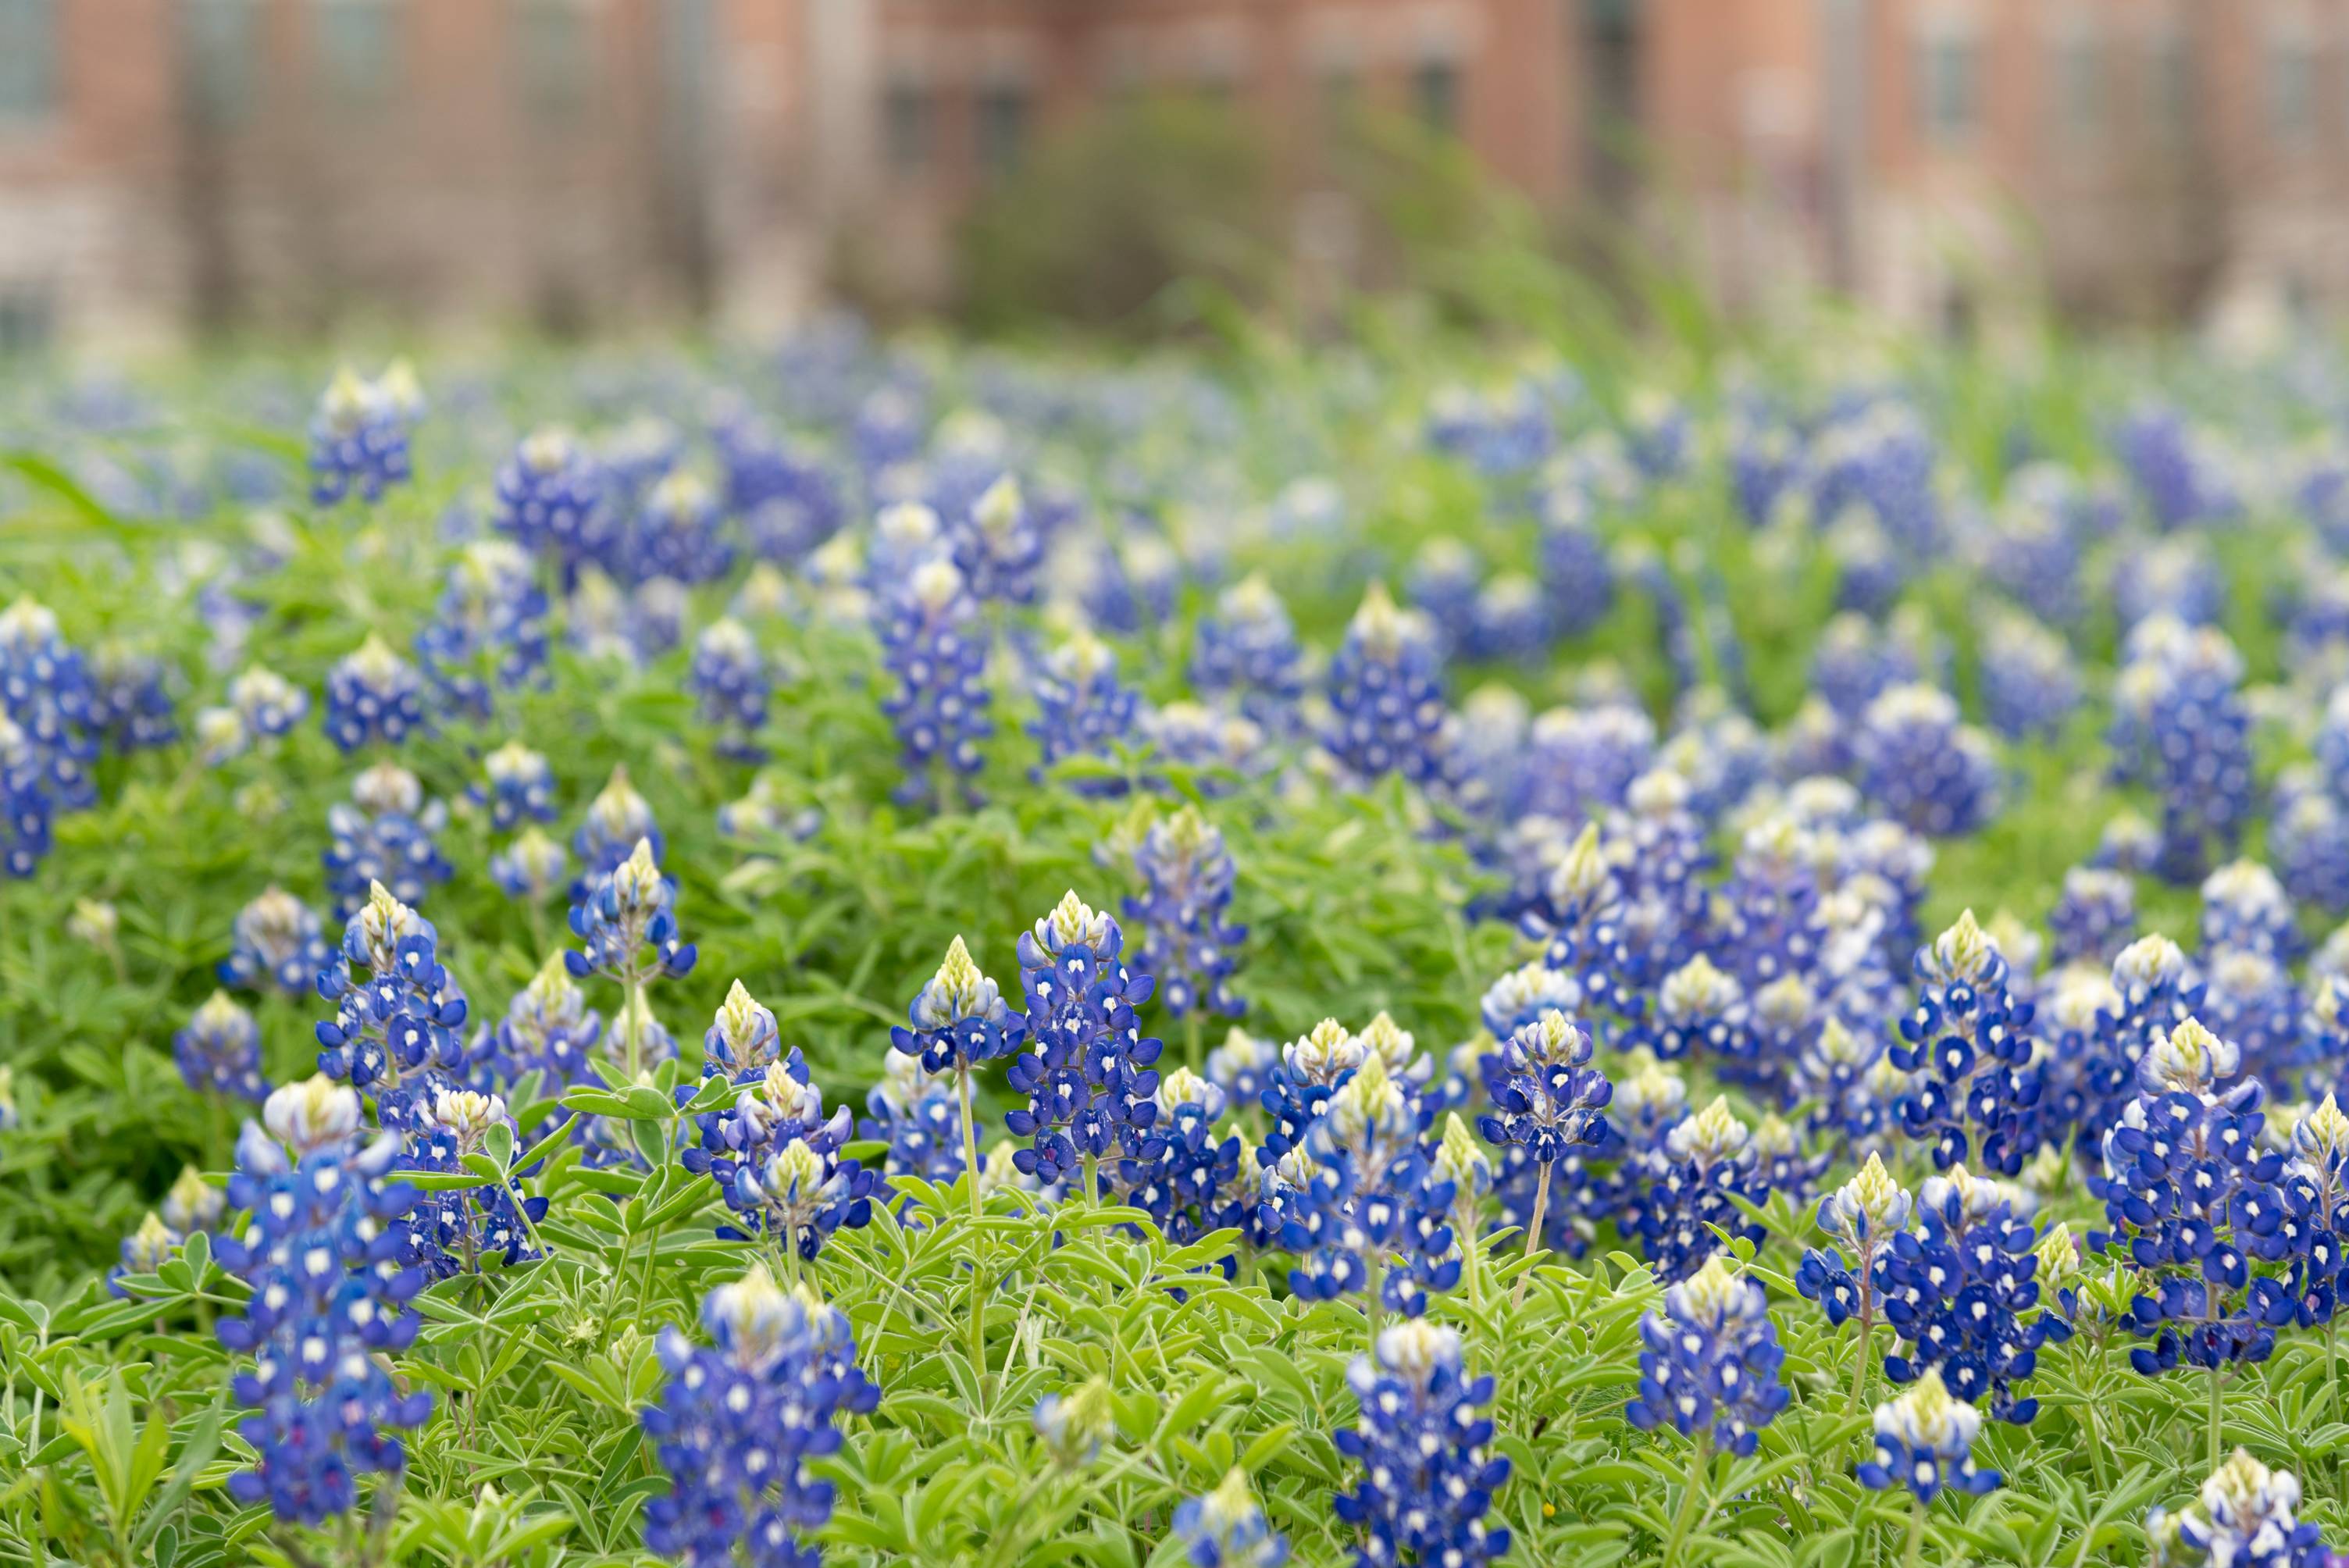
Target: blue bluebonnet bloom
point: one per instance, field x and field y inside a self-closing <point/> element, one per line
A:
<point x="917" y="1116"/>
<point x="373" y="696"/>
<point x="1191" y="736"/>
<point x="1247" y="650"/>
<point x="1855" y="661"/>
<point x="131" y="699"/>
<point x="1880" y="461"/>
<point x="1510" y="619"/>
<point x="1187" y="940"/>
<point x="1296" y="1090"/>
<point x="1925" y="1442"/>
<point x="1968" y="1043"/>
<point x="1964" y="1297"/>
<point x="1072" y="1427"/>
<point x="531" y="868"/>
<point x="45" y="693"/>
<point x="1700" y="1006"/>
<point x="1374" y="1215"/>
<point x="1676" y="1192"/>
<point x="1577" y="575"/>
<point x="730" y="681"/>
<point x="395" y="1031"/>
<point x="1242" y="1066"/>
<point x="1709" y="1362"/>
<point x="277" y="941"/>
<point x="487" y="634"/>
<point x="1083" y="708"/>
<point x="1086" y="1069"/>
<point x="1428" y="1480"/>
<point x="618" y="818"/>
<point x="2181" y="724"/>
<point x="1385" y="689"/>
<point x="1227" y="1528"/>
<point x="789" y="500"/>
<point x="26" y="833"/>
<point x="267" y="704"/>
<point x="2309" y="837"/>
<point x="1442" y="586"/>
<point x="459" y="1231"/>
<point x="2194" y="1206"/>
<point x="384" y="834"/>
<point x="327" y="1256"/>
<point x="1863" y="1216"/>
<point x="1186" y="1179"/>
<point x="360" y="436"/>
<point x="2095" y="916"/>
<point x="2248" y="1519"/>
<point x="998" y="544"/>
<point x="1924" y="768"/>
<point x="1545" y="1094"/>
<point x="936" y="650"/>
<point x="738" y="1422"/>
<point x="192" y="1203"/>
<point x="518" y="786"/>
<point x="678" y="533"/>
<point x="550" y="500"/>
<point x="958" y="1020"/>
<point x="2030" y="684"/>
<point x="549" y="1027"/>
<point x="219" y="1050"/>
<point x="2243" y="905"/>
<point x="2179" y="473"/>
<point x="627" y="924"/>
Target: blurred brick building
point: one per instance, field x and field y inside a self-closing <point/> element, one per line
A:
<point x="171" y="163"/>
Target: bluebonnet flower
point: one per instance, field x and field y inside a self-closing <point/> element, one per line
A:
<point x="1924" y="768"/>
<point x="1242" y="1066"/>
<point x="46" y="692"/>
<point x="1297" y="1090"/>
<point x="1247" y="650"/>
<point x="531" y="868"/>
<point x="141" y="1252"/>
<point x="1084" y="710"/>
<point x="1510" y="619"/>
<point x="2244" y="906"/>
<point x="384" y="834"/>
<point x="1579" y="762"/>
<point x="618" y="818"/>
<point x="1187" y="1180"/>
<point x="327" y="1259"/>
<point x="395" y="1031"/>
<point x="457" y="1231"/>
<point x="730" y="680"/>
<point x="1427" y="1478"/>
<point x="1227" y="1528"/>
<point x="1385" y="690"/>
<point x="1072" y="1427"/>
<point x="789" y="501"/>
<point x="2152" y="991"/>
<point x="1577" y="575"/>
<point x="1442" y="586"/>
<point x="678" y="534"/>
<point x="1374" y="1215"/>
<point x="1854" y="662"/>
<point x="1967" y="1042"/>
<point x="627" y="924"/>
<point x="2248" y="1519"/>
<point x="915" y="1115"/>
<point x="373" y="696"/>
<point x="130" y="700"/>
<point x="1676" y="1190"/>
<point x="1086" y="1069"/>
<point x="277" y="941"/>
<point x="25" y="829"/>
<point x="487" y="634"/>
<point x="936" y="651"/>
<point x="1699" y="1006"/>
<point x="219" y="1050"/>
<point x="265" y="704"/>
<point x="1962" y="1295"/>
<point x="738" y="1423"/>
<point x="192" y="1203"/>
<point x="1863" y="1216"/>
<point x="2034" y="544"/>
<point x="549" y="1027"/>
<point x="2247" y="998"/>
<point x="2193" y="1202"/>
<point x="2309" y="837"/>
<point x="1187" y="940"/>
<point x="1880" y="462"/>
<point x="1925" y="1442"/>
<point x="518" y="786"/>
<point x="1545" y="1094"/>
<point x="2177" y="470"/>
<point x="552" y="500"/>
<point x="1000" y="544"/>
<point x="1709" y="1362"/>
<point x="360" y="436"/>
<point x="2030" y="684"/>
<point x="2095" y="916"/>
<point x="1842" y="1072"/>
<point x="801" y="1190"/>
<point x="2182" y="724"/>
<point x="1190" y="736"/>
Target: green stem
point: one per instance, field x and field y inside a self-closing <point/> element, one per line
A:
<point x="1700" y="1456"/>
<point x="2218" y="1417"/>
<point x="1092" y="1180"/>
<point x="1859" y="1357"/>
<point x="970" y="1136"/>
<point x="1915" y="1553"/>
<point x="1463" y="1226"/>
<point x="978" y="1312"/>
<point x="633" y="1033"/>
<point x="1533" y="1232"/>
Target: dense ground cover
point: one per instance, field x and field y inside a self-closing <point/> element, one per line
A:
<point x="527" y="881"/>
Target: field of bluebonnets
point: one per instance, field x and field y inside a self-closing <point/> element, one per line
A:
<point x="1408" y="954"/>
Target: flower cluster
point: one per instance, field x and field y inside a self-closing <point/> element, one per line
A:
<point x="2248" y="1519"/>
<point x="1964" y="1297"/>
<point x="1974" y="1090"/>
<point x="936" y="651"/>
<point x="1709" y="1362"/>
<point x="219" y="1050"/>
<point x="277" y="943"/>
<point x="384" y="834"/>
<point x="1086" y="1069"/>
<point x="1925" y="1442"/>
<point x="1428" y="1477"/>
<point x="394" y="1032"/>
<point x="1083" y="708"/>
<point x="740" y="1419"/>
<point x="360" y="436"/>
<point x="373" y="696"/>
<point x="1187" y="940"/>
<point x="1385" y="689"/>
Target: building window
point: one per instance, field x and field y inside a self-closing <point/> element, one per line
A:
<point x="1002" y="127"/>
<point x="907" y="126"/>
<point x="553" y="49"/>
<point x="219" y="49"/>
<point x="1949" y="88"/>
<point x="2077" y="71"/>
<point x="358" y="52"/>
<point x="2290" y="89"/>
<point x="1435" y="96"/>
<point x="28" y="61"/>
